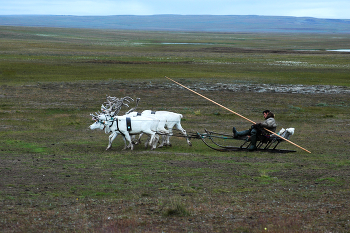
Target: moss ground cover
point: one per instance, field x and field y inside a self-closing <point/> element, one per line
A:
<point x="56" y="175"/>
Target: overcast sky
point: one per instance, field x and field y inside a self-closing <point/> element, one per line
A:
<point x="336" y="9"/>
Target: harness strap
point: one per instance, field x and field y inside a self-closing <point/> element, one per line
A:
<point x="128" y="124"/>
<point x="111" y="124"/>
<point x="118" y="128"/>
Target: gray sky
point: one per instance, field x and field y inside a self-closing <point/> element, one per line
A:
<point x="336" y="9"/>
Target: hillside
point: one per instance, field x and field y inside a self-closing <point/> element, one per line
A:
<point x="204" y="23"/>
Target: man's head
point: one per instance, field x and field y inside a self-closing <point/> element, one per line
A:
<point x="265" y="113"/>
<point x="268" y="114"/>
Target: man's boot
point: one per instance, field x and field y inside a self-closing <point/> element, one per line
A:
<point x="253" y="139"/>
<point x="237" y="134"/>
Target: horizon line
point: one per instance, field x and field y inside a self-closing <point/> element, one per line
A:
<point x="171" y="15"/>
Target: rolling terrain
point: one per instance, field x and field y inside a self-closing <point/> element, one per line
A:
<point x="193" y="23"/>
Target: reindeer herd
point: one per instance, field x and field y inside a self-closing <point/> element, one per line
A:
<point x="152" y="123"/>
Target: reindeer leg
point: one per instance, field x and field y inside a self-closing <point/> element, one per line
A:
<point x="155" y="142"/>
<point x="151" y="141"/>
<point x="167" y="137"/>
<point x="128" y="138"/>
<point x="133" y="139"/>
<point x="125" y="145"/>
<point x="139" y="140"/>
<point x="147" y="141"/>
<point x="179" y="127"/>
<point x="161" y="131"/>
<point x="161" y="144"/>
<point x="111" y="138"/>
<point x="167" y="140"/>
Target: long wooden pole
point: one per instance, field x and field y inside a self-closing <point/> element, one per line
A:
<point x="237" y="114"/>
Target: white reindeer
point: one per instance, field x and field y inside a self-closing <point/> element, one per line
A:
<point x="114" y="105"/>
<point x="168" y="120"/>
<point x="118" y="125"/>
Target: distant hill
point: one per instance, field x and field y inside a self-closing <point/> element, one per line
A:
<point x="194" y="23"/>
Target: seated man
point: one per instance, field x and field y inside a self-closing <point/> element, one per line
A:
<point x="258" y="129"/>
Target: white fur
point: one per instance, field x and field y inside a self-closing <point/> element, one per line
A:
<point x="168" y="120"/>
<point x="286" y="133"/>
<point x="139" y="125"/>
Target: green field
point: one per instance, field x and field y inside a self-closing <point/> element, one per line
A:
<point x="56" y="175"/>
<point x="42" y="54"/>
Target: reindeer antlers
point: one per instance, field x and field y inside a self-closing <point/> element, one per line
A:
<point x="114" y="104"/>
<point x="94" y="117"/>
<point x="133" y="109"/>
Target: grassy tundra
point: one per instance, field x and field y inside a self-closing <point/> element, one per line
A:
<point x="56" y="175"/>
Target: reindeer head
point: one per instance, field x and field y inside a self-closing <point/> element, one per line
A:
<point x="97" y="125"/>
<point x="100" y="117"/>
<point x="94" y="116"/>
<point x="99" y="122"/>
